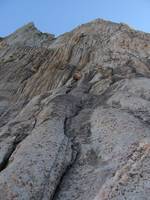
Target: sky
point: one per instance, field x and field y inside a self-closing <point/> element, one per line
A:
<point x="59" y="16"/>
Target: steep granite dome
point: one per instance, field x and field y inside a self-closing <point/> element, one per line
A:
<point x="75" y="114"/>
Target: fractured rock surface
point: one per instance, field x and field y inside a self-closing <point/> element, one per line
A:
<point x="74" y="114"/>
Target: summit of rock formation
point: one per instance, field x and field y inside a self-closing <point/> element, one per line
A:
<point x="75" y="114"/>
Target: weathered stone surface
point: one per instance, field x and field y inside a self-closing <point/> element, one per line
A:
<point x="74" y="114"/>
<point x="28" y="36"/>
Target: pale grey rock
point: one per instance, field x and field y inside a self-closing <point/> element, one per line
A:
<point x="74" y="114"/>
<point x="28" y="35"/>
<point x="105" y="148"/>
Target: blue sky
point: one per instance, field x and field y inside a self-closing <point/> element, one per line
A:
<point x="59" y="16"/>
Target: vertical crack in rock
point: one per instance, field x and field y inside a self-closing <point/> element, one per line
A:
<point x="7" y="156"/>
<point x="75" y="152"/>
<point x="14" y="144"/>
<point x="75" y="147"/>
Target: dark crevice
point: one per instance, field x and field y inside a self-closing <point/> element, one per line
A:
<point x="5" y="161"/>
<point x="75" y="147"/>
<point x="75" y="153"/>
<point x="11" y="150"/>
<point x="74" y="158"/>
<point x="54" y="166"/>
<point x="6" y="158"/>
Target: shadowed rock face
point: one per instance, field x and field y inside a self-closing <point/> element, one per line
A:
<point x="75" y="114"/>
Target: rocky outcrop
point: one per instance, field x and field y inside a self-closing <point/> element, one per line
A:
<point x="74" y="114"/>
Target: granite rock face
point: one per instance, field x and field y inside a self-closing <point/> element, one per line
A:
<point x="75" y="114"/>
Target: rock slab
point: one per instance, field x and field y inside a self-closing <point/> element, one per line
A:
<point x="74" y="114"/>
